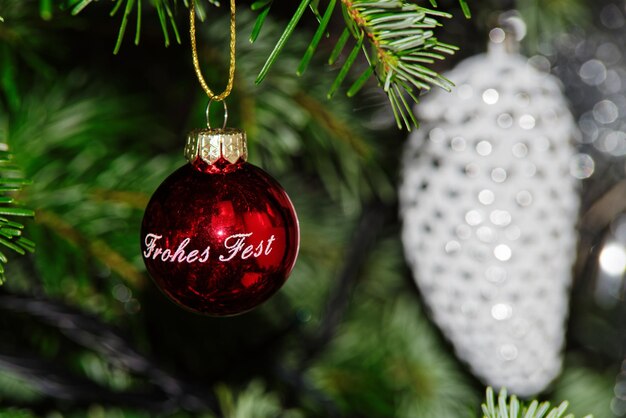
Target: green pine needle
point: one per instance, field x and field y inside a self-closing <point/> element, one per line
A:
<point x="360" y="82"/>
<point x="45" y="9"/>
<point x="346" y="66"/>
<point x="462" y="3"/>
<point x="80" y="6"/>
<point x="465" y="8"/>
<point x="341" y="42"/>
<point x="258" y="25"/>
<point x="291" y="26"/>
<point x="163" y="22"/>
<point x="260" y="4"/>
<point x="316" y="38"/>
<point x="511" y="407"/>
<point x="130" y="4"/>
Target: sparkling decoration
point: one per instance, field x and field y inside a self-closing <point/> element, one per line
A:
<point x="219" y="236"/>
<point x="489" y="210"/>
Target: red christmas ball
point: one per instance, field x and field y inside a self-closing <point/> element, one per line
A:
<point x="219" y="238"/>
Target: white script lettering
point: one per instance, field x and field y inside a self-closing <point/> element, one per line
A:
<point x="180" y="255"/>
<point x="236" y="246"/>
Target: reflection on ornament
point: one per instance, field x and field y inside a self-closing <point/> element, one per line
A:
<point x="219" y="236"/>
<point x="489" y="210"/>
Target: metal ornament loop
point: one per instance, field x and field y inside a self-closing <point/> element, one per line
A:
<point x="208" y="108"/>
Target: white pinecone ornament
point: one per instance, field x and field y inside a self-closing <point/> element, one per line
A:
<point x="489" y="212"/>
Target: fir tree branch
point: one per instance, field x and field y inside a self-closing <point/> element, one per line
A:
<point x="45" y="377"/>
<point x="398" y="34"/>
<point x="11" y="230"/>
<point x="373" y="219"/>
<point x="400" y="40"/>
<point x="511" y="407"/>
<point x="333" y="125"/>
<point x="98" y="248"/>
<point x="92" y="333"/>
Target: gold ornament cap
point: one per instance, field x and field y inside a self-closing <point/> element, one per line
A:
<point x="212" y="145"/>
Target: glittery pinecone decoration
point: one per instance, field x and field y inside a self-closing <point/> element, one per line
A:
<point x="489" y="210"/>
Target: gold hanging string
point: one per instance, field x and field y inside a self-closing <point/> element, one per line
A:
<point x="194" y="52"/>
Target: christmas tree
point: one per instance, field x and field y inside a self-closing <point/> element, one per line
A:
<point x="97" y="98"/>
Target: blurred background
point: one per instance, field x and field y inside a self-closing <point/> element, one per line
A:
<point x="83" y="330"/>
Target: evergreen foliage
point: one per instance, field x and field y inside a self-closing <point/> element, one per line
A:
<point x="506" y="407"/>
<point x="82" y="331"/>
<point x="11" y="230"/>
<point x="399" y="33"/>
<point x="401" y="45"/>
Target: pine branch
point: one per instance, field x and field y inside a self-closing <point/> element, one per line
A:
<point x="402" y="41"/>
<point x="373" y="219"/>
<point x="132" y="9"/>
<point x="93" y="334"/>
<point x="400" y="44"/>
<point x="394" y="36"/>
<point x="45" y="377"/>
<point x="97" y="248"/>
<point x="511" y="407"/>
<point x="388" y="362"/>
<point x="11" y="230"/>
<point x="21" y="48"/>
